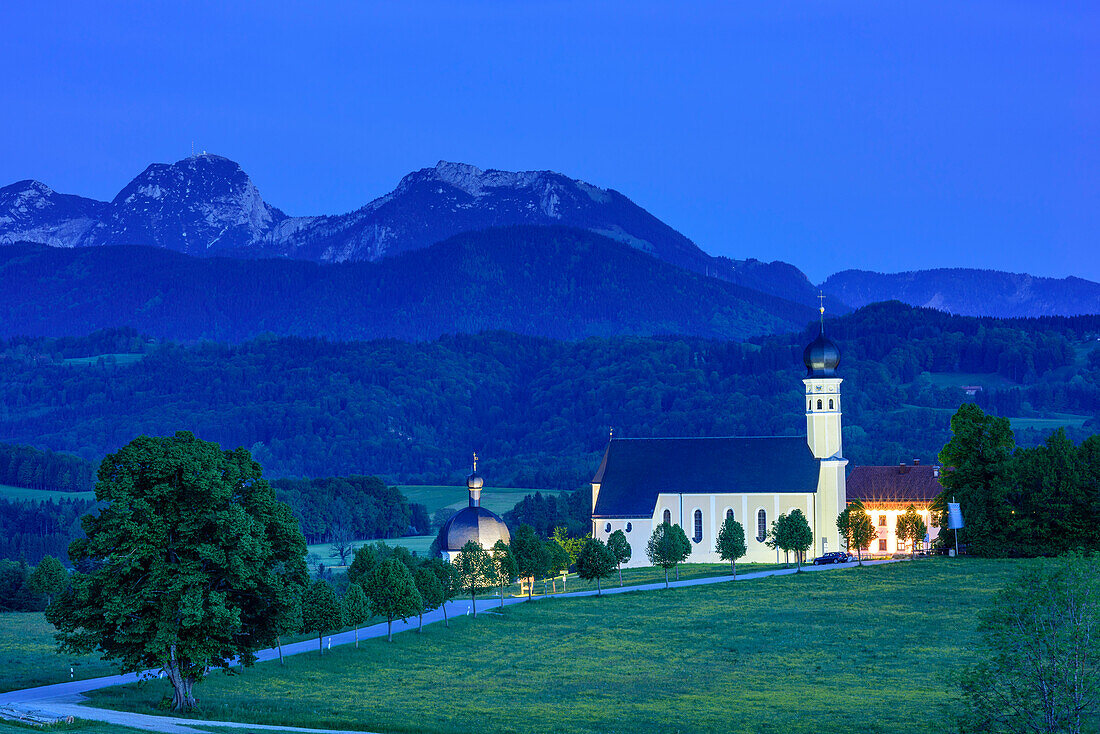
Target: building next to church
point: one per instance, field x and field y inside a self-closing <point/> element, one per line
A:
<point x="473" y="522"/>
<point x="886" y="492"/>
<point x="698" y="482"/>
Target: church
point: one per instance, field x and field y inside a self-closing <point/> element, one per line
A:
<point x="698" y="482"/>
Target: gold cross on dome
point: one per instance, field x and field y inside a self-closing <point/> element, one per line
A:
<point x="821" y="301"/>
<point x="475" y="461"/>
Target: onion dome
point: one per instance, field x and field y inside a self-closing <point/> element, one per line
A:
<point x="474" y="522"/>
<point x="821" y="357"/>
<point x="478" y="524"/>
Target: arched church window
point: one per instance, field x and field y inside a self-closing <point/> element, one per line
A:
<point x="698" y="525"/>
<point x="668" y="517"/>
<point x="729" y="513"/>
<point x="830" y="403"/>
<point x="761" y="525"/>
<point x="607" y="528"/>
<point x="819" y="405"/>
<point x="629" y="527"/>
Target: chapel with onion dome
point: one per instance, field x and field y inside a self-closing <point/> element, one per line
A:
<point x="698" y="482"/>
<point x="474" y="522"/>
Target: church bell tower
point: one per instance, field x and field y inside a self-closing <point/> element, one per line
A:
<point x="823" y="396"/>
<point x="824" y="437"/>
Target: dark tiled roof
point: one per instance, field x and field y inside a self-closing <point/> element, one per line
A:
<point x="635" y="470"/>
<point x="909" y="483"/>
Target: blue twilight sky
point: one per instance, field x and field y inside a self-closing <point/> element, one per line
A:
<point x="877" y="135"/>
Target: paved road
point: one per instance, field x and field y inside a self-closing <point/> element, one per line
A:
<point x="63" y="699"/>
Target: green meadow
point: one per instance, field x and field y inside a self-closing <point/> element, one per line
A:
<point x="870" y="649"/>
<point x="23" y="493"/>
<point x="497" y="499"/>
<point x="29" y="657"/>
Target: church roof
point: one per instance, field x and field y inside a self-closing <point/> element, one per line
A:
<point x="904" y="483"/>
<point x="635" y="470"/>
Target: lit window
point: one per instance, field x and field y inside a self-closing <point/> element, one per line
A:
<point x="901" y="544"/>
<point x="607" y="528"/>
<point x="729" y="514"/>
<point x="882" y="544"/>
<point x="698" y="525"/>
<point x="668" y="517"/>
<point x="882" y="522"/>
<point x="629" y="527"/>
<point x="761" y="525"/>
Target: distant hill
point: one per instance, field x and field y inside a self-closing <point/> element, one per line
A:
<point x="969" y="292"/>
<point x="207" y="205"/>
<point x="553" y="282"/>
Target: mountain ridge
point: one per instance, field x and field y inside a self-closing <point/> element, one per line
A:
<point x="554" y="282"/>
<point x="970" y="291"/>
<point x="206" y="204"/>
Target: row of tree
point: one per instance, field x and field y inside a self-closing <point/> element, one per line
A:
<point x="341" y="509"/>
<point x="26" y="466"/>
<point x="1038" y="501"/>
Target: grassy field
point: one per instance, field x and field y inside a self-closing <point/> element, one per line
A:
<point x="22" y="493"/>
<point x="417" y="543"/>
<point x="116" y="358"/>
<point x="868" y="650"/>
<point x="1058" y="420"/>
<point x="497" y="499"/>
<point x="29" y="657"/>
<point x="958" y="379"/>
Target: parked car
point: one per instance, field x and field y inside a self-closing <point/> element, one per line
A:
<point x="834" y="557"/>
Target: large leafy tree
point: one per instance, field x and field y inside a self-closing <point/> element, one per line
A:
<point x="448" y="584"/>
<point x="1041" y="666"/>
<point x="791" y="532"/>
<point x="474" y="570"/>
<point x="49" y="578"/>
<point x="856" y="527"/>
<point x="188" y="562"/>
<point x="365" y="559"/>
<point x="665" y="547"/>
<point x="321" y="611"/>
<point x="356" y="607"/>
<point x="910" y="527"/>
<point x="976" y="462"/>
<point x="431" y="591"/>
<point x="620" y="548"/>
<point x="505" y="566"/>
<point x="596" y="561"/>
<point x="288" y="618"/>
<point x="800" y="536"/>
<point x="559" y="559"/>
<point x="730" y="543"/>
<point x="392" y="592"/>
<point x="532" y="558"/>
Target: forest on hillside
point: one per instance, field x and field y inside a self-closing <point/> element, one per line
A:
<point x="538" y="410"/>
<point x="548" y="281"/>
